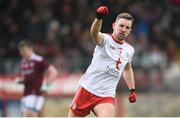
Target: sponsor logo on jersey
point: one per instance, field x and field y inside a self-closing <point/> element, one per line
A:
<point x="127" y="54"/>
<point x="112" y="71"/>
<point x="112" y="47"/>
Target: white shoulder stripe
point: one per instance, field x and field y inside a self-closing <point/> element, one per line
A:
<point x="37" y="57"/>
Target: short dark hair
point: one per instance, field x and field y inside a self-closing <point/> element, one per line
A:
<point x="25" y="43"/>
<point x="125" y="16"/>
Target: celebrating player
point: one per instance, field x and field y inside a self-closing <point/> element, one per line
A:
<point x="34" y="69"/>
<point x="112" y="57"/>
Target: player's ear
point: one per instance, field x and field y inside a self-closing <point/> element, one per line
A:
<point x="130" y="30"/>
<point x="113" y="25"/>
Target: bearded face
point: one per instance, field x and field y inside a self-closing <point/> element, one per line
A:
<point x="122" y="28"/>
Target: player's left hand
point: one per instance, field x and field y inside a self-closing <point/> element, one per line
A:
<point x="45" y="87"/>
<point x="132" y="95"/>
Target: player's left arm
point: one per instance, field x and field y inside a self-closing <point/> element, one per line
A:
<point x="128" y="76"/>
<point x="50" y="73"/>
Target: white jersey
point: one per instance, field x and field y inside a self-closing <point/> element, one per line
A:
<point x="104" y="72"/>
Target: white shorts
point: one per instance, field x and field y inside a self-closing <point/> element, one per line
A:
<point x="32" y="102"/>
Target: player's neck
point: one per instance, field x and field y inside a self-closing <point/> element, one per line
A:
<point x="28" y="57"/>
<point x="117" y="40"/>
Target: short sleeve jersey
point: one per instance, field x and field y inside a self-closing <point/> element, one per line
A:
<point x="33" y="71"/>
<point x="104" y="72"/>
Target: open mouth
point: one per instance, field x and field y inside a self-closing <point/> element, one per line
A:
<point x="120" y="33"/>
<point x="121" y="36"/>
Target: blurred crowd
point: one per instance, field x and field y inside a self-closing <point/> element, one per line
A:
<point x="60" y="29"/>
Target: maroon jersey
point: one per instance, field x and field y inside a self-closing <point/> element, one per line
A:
<point x="33" y="71"/>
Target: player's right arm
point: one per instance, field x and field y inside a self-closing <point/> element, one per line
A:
<point x="20" y="78"/>
<point x="96" y="35"/>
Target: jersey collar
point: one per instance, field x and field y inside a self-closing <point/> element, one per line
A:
<point x="122" y="42"/>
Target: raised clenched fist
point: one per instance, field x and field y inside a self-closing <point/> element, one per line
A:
<point x="101" y="12"/>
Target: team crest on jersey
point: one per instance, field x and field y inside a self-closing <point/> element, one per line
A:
<point x="127" y="54"/>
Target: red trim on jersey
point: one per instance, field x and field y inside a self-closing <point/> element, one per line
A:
<point x="85" y="101"/>
<point x="122" y="42"/>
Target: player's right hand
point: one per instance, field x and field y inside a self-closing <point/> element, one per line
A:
<point x="101" y="12"/>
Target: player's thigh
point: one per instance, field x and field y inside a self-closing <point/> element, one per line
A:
<point x="71" y="114"/>
<point x="104" y="110"/>
<point x="30" y="113"/>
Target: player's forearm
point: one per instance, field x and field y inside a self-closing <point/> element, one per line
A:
<point x="96" y="27"/>
<point x="128" y="76"/>
<point x="51" y="74"/>
<point x="95" y="31"/>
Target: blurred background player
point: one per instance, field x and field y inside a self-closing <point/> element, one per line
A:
<point x="34" y="69"/>
<point x="112" y="57"/>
